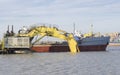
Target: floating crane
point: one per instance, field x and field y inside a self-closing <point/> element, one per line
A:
<point x="14" y="43"/>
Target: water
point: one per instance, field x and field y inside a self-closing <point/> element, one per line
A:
<point x="84" y="63"/>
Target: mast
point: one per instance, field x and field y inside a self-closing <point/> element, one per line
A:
<point x="73" y="28"/>
<point x="91" y="30"/>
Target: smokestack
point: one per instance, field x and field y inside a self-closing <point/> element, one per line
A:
<point x="12" y="32"/>
<point x="7" y="32"/>
<point x="12" y="28"/>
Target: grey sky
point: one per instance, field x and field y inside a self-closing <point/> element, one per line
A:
<point x="103" y="14"/>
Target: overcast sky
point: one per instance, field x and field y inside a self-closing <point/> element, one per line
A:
<point x="103" y="14"/>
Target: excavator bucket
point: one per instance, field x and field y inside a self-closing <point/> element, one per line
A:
<point x="72" y="44"/>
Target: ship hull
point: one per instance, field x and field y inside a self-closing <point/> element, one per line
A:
<point x="85" y="44"/>
<point x="48" y="48"/>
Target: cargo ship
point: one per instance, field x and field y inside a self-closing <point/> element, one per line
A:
<point x="85" y="44"/>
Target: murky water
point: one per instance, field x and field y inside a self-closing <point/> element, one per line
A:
<point x="84" y="63"/>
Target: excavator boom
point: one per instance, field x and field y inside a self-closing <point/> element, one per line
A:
<point x="53" y="32"/>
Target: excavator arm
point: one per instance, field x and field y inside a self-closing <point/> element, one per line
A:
<point x="53" y="32"/>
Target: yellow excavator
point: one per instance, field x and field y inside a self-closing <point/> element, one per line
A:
<point x="21" y="42"/>
<point x="50" y="31"/>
